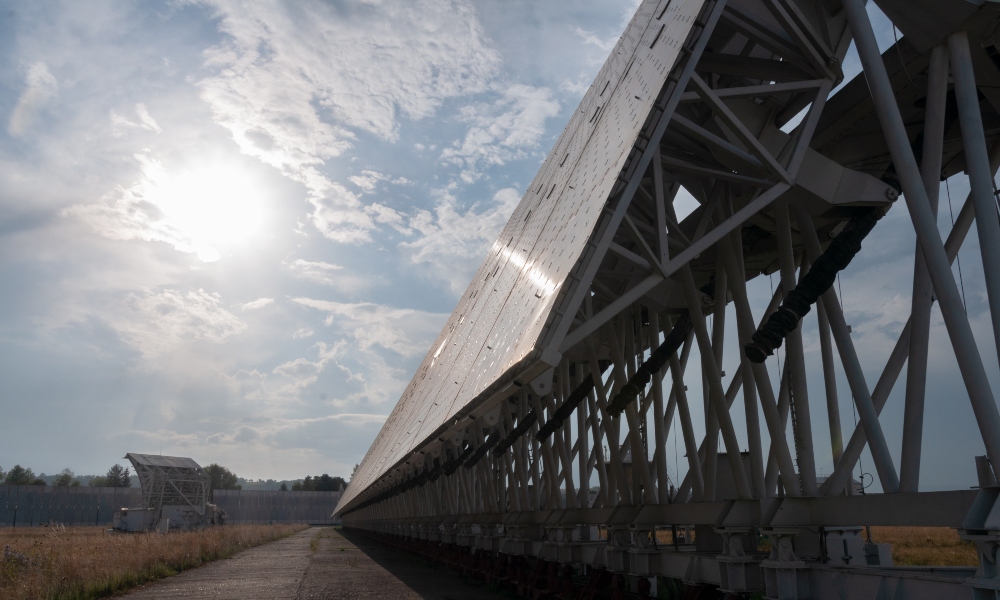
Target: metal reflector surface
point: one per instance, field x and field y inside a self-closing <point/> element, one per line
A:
<point x="494" y="332"/>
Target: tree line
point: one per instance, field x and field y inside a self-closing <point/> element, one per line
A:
<point x="117" y="476"/>
<point x="220" y="478"/>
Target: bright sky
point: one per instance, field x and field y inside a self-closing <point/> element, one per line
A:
<point x="231" y="230"/>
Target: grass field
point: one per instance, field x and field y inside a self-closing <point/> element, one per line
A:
<point x="930" y="546"/>
<point x="86" y="562"/>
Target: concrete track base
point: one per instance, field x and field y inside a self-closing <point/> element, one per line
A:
<point x="344" y="566"/>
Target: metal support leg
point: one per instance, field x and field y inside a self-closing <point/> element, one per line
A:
<point x="717" y="394"/>
<point x="690" y="445"/>
<point x="745" y="321"/>
<point x="801" y="420"/>
<point x="920" y="316"/>
<point x="980" y="175"/>
<point x="852" y="367"/>
<point x="962" y="340"/>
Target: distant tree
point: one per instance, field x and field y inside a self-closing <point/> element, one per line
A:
<point x="355" y="470"/>
<point x="284" y="487"/>
<point x="64" y="478"/>
<point x="325" y="483"/>
<point x="118" y="476"/>
<point x="76" y="483"/>
<point x="1" y="473"/>
<point x="222" y="478"/>
<point x="38" y="481"/>
<point x="18" y="475"/>
<point x="320" y="483"/>
<point x="99" y="481"/>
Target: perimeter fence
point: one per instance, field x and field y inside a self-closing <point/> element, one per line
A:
<point x="30" y="505"/>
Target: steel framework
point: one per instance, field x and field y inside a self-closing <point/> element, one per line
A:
<point x="539" y="422"/>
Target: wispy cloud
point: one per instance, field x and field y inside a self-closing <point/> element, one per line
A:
<point x="502" y="131"/>
<point x="453" y="242"/>
<point x="154" y="321"/>
<point x="120" y="124"/>
<point x="294" y="82"/>
<point x="258" y="303"/>
<point x="41" y="87"/>
<point x="405" y="331"/>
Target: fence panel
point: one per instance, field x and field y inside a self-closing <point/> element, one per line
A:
<point x="24" y="506"/>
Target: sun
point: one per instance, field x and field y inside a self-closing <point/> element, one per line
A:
<point x="213" y="206"/>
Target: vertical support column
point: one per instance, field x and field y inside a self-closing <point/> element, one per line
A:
<point x="923" y="297"/>
<point x="745" y="322"/>
<point x="711" y="420"/>
<point x="732" y="247"/>
<point x="830" y="383"/>
<point x="962" y="340"/>
<point x="660" y="452"/>
<point x="716" y="394"/>
<point x="581" y="437"/>
<point x="978" y="167"/>
<point x="867" y="413"/>
<point x="798" y="389"/>
<point x="690" y="445"/>
<point x="610" y="426"/>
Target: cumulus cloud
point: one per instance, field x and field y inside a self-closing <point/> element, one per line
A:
<point x="41" y="87"/>
<point x="453" y="242"/>
<point x="502" y="131"/>
<point x="367" y="181"/>
<point x="294" y="82"/>
<point x="388" y="216"/>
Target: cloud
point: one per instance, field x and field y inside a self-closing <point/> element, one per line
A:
<point x="294" y="82"/>
<point x="156" y="320"/>
<point x="202" y="207"/>
<point x="325" y="273"/>
<point x="258" y="303"/>
<point x="405" y="331"/>
<point x="454" y="243"/>
<point x="389" y="216"/>
<point x="589" y="37"/>
<point x="502" y="131"/>
<point x="367" y="180"/>
<point x="42" y="87"/>
<point x="120" y="124"/>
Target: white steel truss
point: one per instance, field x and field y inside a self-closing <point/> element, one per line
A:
<point x="546" y="407"/>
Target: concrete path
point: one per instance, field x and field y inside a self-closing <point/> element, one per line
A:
<point x="348" y="566"/>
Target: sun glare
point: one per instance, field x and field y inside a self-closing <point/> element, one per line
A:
<point x="214" y="206"/>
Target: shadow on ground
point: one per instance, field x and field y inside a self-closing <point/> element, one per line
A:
<point x="349" y="564"/>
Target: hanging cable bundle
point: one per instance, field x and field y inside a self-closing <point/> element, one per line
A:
<point x="482" y="450"/>
<point x="566" y="408"/>
<point x="452" y="464"/>
<point x="522" y="428"/>
<point x="818" y="280"/>
<point x="657" y="359"/>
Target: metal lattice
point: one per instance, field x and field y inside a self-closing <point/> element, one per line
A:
<point x="543" y="410"/>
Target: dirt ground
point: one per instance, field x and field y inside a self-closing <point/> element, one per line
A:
<point x="319" y="563"/>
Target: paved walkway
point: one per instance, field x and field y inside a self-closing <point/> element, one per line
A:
<point x="348" y="566"/>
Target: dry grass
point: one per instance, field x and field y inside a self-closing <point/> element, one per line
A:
<point x="917" y="546"/>
<point x="86" y="562"/>
<point x="929" y="546"/>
